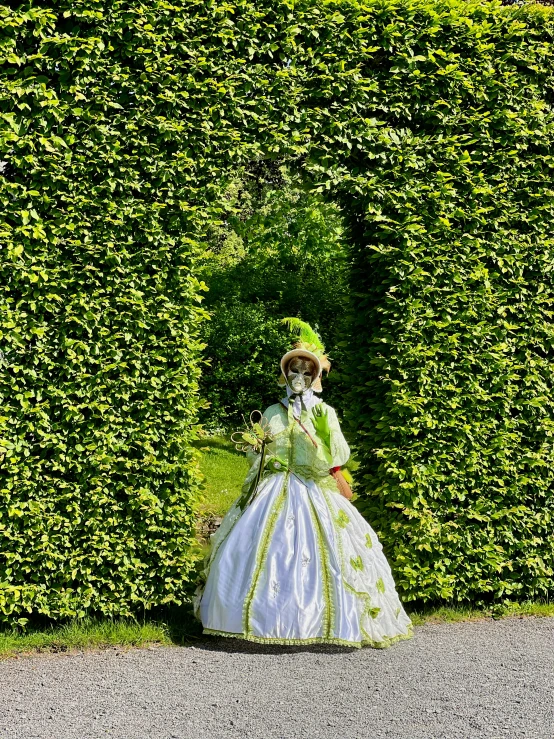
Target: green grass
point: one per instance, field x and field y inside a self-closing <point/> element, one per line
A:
<point x="446" y="614"/>
<point x="225" y="470"/>
<point x="83" y="634"/>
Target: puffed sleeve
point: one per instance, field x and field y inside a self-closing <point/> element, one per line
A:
<point x="340" y="451"/>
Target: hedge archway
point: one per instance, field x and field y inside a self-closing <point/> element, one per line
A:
<point x="431" y="123"/>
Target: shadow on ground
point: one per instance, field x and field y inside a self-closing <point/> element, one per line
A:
<point x="185" y="630"/>
<point x="230" y="645"/>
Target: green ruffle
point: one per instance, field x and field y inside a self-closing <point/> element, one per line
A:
<point x="263" y="547"/>
<point x="383" y="644"/>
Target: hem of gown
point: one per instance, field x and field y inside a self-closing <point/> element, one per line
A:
<point x="383" y="644"/>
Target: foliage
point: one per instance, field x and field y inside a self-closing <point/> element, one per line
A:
<point x="123" y="125"/>
<point x="454" y="274"/>
<point x="280" y="250"/>
<point x="99" y="319"/>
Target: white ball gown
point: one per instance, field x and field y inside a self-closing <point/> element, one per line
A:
<point x="299" y="565"/>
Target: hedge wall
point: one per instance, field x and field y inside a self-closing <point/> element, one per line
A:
<point x="99" y="318"/>
<point x="121" y="122"/>
<point x="455" y="277"/>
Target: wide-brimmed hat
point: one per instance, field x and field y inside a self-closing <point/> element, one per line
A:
<point x="309" y="346"/>
<point x="285" y="359"/>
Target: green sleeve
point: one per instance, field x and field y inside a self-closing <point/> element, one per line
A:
<point x="340" y="451"/>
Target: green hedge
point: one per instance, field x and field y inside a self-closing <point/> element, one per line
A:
<point x="122" y="122"/>
<point x="99" y="320"/>
<point x="455" y="277"/>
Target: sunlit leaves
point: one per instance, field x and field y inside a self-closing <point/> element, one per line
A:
<point x="121" y="124"/>
<point x="454" y="298"/>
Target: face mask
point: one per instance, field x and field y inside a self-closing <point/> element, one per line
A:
<point x="297" y="382"/>
<point x="300" y="375"/>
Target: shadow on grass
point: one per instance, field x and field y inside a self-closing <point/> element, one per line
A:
<point x="216" y="443"/>
<point x="179" y="623"/>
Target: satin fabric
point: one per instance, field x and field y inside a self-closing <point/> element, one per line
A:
<point x="299" y="564"/>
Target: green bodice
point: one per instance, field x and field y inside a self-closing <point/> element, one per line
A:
<point x="295" y="448"/>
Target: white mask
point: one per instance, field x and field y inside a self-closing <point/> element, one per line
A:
<point x="300" y="375"/>
<point x="298" y="382"/>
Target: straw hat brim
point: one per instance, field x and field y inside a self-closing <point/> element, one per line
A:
<point x="285" y="359"/>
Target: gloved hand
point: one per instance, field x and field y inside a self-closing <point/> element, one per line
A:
<point x="320" y="420"/>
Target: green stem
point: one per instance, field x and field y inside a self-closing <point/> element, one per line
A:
<point x="259" y="475"/>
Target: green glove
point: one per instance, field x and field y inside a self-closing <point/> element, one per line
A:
<point x="320" y="420"/>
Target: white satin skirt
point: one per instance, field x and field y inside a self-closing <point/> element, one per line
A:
<point x="299" y="565"/>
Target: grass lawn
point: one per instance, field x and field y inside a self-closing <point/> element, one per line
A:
<point x="225" y="469"/>
<point x="82" y="634"/>
<point x="168" y="626"/>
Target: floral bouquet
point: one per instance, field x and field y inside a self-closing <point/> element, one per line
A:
<point x="254" y="438"/>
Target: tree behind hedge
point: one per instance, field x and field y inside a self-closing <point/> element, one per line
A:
<point x="279" y="251"/>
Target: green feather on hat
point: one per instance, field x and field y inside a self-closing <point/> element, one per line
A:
<point x="308" y="345"/>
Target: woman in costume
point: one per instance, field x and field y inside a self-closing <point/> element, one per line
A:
<point x="293" y="561"/>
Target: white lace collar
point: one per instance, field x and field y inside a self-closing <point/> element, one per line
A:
<point x="307" y="399"/>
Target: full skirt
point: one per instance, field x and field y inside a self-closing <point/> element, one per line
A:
<point x="299" y="565"/>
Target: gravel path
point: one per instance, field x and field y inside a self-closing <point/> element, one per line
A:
<point x="484" y="679"/>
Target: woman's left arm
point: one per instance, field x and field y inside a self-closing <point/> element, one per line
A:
<point x="340" y="451"/>
<point x="330" y="436"/>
